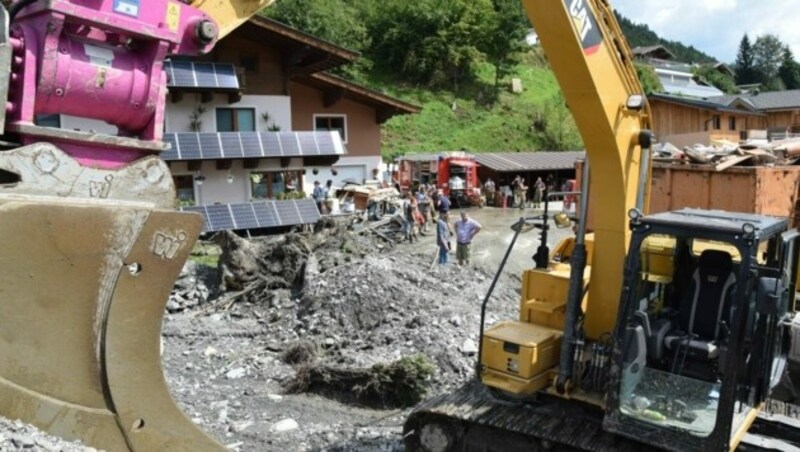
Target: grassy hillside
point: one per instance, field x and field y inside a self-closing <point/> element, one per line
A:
<point x="474" y="125"/>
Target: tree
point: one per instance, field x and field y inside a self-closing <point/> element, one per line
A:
<point x="789" y="70"/>
<point x="504" y="39"/>
<point x="648" y="78"/>
<point x="722" y="81"/>
<point x="745" y="71"/>
<point x="767" y="57"/>
<point x="336" y="21"/>
<point x="433" y="42"/>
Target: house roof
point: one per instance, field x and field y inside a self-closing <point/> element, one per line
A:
<point x="507" y="162"/>
<point x="770" y="100"/>
<point x="703" y="104"/>
<point x="657" y="51"/>
<point x="336" y="88"/>
<point x="305" y="53"/>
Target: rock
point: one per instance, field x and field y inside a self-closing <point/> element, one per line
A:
<point x="222" y="416"/>
<point x="275" y="397"/>
<point x="455" y="321"/>
<point x="210" y="351"/>
<point x="235" y="373"/>
<point x="239" y="427"/>
<point x="469" y="347"/>
<point x="330" y="342"/>
<point x="285" y="425"/>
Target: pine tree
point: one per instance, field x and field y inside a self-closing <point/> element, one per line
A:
<point x="745" y="71"/>
<point x="789" y="71"/>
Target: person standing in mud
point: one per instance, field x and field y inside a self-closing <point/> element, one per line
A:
<point x="466" y="229"/>
<point x="538" y="193"/>
<point x="423" y="205"/>
<point x="443" y="237"/>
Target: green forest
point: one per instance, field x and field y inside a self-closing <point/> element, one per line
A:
<point x="456" y="59"/>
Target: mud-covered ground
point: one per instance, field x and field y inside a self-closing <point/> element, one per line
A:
<point x="358" y="302"/>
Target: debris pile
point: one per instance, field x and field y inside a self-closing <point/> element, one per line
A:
<point x="16" y="435"/>
<point x="724" y="154"/>
<point x="192" y="287"/>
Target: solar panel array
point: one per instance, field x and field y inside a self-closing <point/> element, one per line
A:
<point x="197" y="74"/>
<point x="218" y="145"/>
<point x="256" y="215"/>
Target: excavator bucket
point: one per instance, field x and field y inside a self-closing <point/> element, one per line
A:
<point x="83" y="286"/>
<point x="229" y="15"/>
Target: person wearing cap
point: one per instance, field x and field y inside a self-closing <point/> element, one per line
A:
<point x="443" y="237"/>
<point x="466" y="229"/>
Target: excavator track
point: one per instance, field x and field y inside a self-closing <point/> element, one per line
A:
<point x="474" y="419"/>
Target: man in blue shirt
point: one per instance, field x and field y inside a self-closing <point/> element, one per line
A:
<point x="466" y="229"/>
<point x="443" y="237"/>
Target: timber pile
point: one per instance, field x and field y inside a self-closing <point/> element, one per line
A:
<point x="725" y="154"/>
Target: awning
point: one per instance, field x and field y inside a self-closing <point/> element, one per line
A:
<point x="509" y="162"/>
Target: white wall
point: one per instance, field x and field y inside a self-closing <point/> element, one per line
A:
<point x="278" y="107"/>
<point x="216" y="189"/>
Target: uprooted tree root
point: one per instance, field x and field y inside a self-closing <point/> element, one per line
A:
<point x="402" y="383"/>
<point x="302" y="352"/>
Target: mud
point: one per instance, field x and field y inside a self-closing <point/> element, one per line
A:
<point x="336" y="301"/>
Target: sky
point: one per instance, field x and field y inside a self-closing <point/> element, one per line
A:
<point x="716" y="26"/>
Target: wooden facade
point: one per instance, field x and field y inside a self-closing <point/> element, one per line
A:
<point x="673" y="119"/>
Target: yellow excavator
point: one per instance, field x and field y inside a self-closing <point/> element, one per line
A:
<point x="664" y="331"/>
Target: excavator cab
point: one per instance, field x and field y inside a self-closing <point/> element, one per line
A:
<point x="703" y="329"/>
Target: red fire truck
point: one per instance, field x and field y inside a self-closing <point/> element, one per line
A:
<point x="454" y="174"/>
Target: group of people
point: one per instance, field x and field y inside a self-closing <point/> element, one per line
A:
<point x="517" y="193"/>
<point x="419" y="211"/>
<point x="320" y="194"/>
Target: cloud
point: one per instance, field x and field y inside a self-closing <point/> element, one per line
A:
<point x="715" y="26"/>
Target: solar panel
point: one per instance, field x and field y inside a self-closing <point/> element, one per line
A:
<point x="231" y="146"/>
<point x="309" y="213"/>
<point x="209" y="145"/>
<point x="289" y="143"/>
<point x="266" y="214"/>
<point x="172" y="153"/>
<point x="272" y="144"/>
<point x="202" y="211"/>
<point x="201" y="74"/>
<point x="287" y="212"/>
<point x="308" y="145"/>
<point x="226" y="76"/>
<point x="325" y="143"/>
<point x="205" y="75"/>
<point x="244" y="216"/>
<point x="189" y="146"/>
<point x="182" y="74"/>
<point x="219" y="216"/>
<point x="251" y="144"/>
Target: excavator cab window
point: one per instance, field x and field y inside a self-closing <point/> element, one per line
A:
<point x="675" y="338"/>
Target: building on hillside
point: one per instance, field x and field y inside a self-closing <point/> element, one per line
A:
<point x="255" y="123"/>
<point x="646" y="53"/>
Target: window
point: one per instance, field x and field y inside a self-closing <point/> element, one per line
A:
<point x="236" y="119"/>
<point x="276" y="184"/>
<point x="338" y="123"/>
<point x="732" y="123"/>
<point x="249" y="63"/>
<point x="716" y="121"/>
<point x="184" y="186"/>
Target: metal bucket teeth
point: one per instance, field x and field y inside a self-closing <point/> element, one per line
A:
<point x="83" y="284"/>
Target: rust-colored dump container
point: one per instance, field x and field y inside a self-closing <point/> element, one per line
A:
<point x="758" y="189"/>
